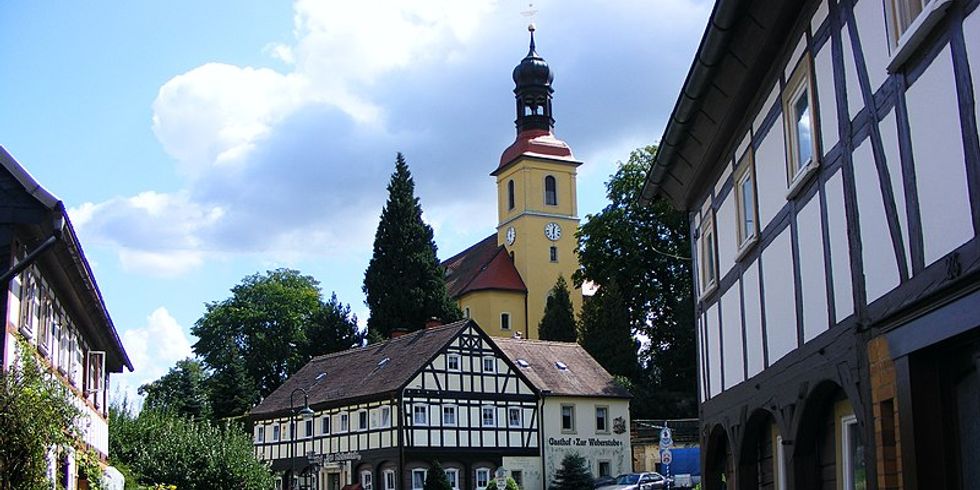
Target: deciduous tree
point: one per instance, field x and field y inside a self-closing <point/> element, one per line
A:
<point x="182" y="390"/>
<point x="558" y="322"/>
<point x="605" y="332"/>
<point x="404" y="284"/>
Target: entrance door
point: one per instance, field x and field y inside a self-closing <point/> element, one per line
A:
<point x="333" y="481"/>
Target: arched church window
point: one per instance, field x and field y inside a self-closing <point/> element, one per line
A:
<point x="550" y="191"/>
<point x="510" y="194"/>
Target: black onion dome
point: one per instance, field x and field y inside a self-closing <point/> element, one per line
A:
<point x="533" y="70"/>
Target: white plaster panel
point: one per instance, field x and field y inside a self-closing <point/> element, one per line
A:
<point x="702" y="359"/>
<point x="940" y="168"/>
<point x="813" y="274"/>
<point x="818" y="17"/>
<point x="839" y="249"/>
<point x="766" y="106"/>
<point x="795" y="57"/>
<point x="870" y="18"/>
<point x="725" y="228"/>
<point x="731" y="325"/>
<point x="754" y="352"/>
<point x="744" y="145"/>
<point x="971" y="36"/>
<point x="854" y="101"/>
<point x="725" y="173"/>
<point x="780" y="290"/>
<point x="880" y="267"/>
<point x="827" y="97"/>
<point x="889" y="140"/>
<point x="770" y="171"/>
<point x="714" y="351"/>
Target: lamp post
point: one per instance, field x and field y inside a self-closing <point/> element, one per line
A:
<point x="306" y="414"/>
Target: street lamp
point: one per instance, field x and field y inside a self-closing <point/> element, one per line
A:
<point x="306" y="413"/>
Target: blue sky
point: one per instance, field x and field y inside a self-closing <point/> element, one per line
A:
<point x="196" y="143"/>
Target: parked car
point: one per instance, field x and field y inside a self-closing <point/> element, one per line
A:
<point x="603" y="481"/>
<point x="638" y="481"/>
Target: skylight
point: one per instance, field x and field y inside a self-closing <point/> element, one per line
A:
<point x="384" y="362"/>
<point x="522" y="363"/>
<point x="561" y="366"/>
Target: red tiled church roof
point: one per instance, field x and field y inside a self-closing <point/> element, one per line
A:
<point x="485" y="265"/>
<point x="536" y="143"/>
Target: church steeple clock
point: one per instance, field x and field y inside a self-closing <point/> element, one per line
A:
<point x="537" y="199"/>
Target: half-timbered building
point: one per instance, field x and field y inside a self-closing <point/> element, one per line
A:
<point x="385" y="412"/>
<point x="53" y="304"/>
<point x="827" y="154"/>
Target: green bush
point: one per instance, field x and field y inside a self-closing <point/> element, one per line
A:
<point x="510" y="485"/>
<point x="573" y="474"/>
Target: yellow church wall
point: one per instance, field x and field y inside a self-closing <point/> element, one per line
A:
<point x="528" y="175"/>
<point x="485" y="308"/>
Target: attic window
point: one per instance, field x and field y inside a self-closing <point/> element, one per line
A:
<point x="561" y="366"/>
<point x="384" y="362"/>
<point x="522" y="363"/>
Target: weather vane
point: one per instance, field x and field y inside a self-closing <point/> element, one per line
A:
<point x="529" y="13"/>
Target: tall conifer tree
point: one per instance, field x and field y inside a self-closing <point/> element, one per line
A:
<point x="558" y="322"/>
<point x="404" y="284"/>
<point x="605" y="332"/>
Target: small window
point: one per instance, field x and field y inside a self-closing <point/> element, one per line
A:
<point x="385" y="415"/>
<point x="510" y="194"/>
<point x="553" y="253"/>
<point x="418" y="479"/>
<point x="367" y="480"/>
<point x="308" y="428"/>
<point x="854" y="468"/>
<point x="452" y="362"/>
<point x="260" y="434"/>
<point x="362" y="420"/>
<point x="747" y="210"/>
<point x="518" y="477"/>
<point x="466" y="312"/>
<point x="515" y="417"/>
<point x="344" y="422"/>
<point x="449" y="415"/>
<point x="488" y="416"/>
<point x="291" y="432"/>
<point x="96" y="371"/>
<point x="276" y="430"/>
<point x="901" y="15"/>
<point x="489" y="364"/>
<point x="389" y="479"/>
<point x="709" y="261"/>
<point x="602" y="419"/>
<point x="325" y="425"/>
<point x="420" y="415"/>
<point x="482" y="477"/>
<point x="550" y="191"/>
<point x="568" y="418"/>
<point x="505" y="321"/>
<point x="452" y="475"/>
<point x="801" y="125"/>
<point x="605" y="468"/>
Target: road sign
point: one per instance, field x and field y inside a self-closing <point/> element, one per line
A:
<point x="666" y="438"/>
<point x="665" y="456"/>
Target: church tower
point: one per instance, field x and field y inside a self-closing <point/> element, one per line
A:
<point x="503" y="281"/>
<point x="536" y="191"/>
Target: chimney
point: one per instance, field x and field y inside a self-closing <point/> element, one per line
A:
<point x="398" y="332"/>
<point x="433" y="323"/>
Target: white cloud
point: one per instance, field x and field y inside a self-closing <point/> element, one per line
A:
<point x="153" y="348"/>
<point x="293" y="161"/>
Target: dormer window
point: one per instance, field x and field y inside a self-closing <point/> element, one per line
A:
<point x="550" y="191"/>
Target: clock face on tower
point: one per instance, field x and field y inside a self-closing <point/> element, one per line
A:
<point x="511" y="235"/>
<point x="552" y="231"/>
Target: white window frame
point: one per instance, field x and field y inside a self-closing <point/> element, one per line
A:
<point x="367" y="480"/>
<point x="363" y="420"/>
<point x="276" y="432"/>
<point x="325" y="425"/>
<point x="454" y="357"/>
<point x="520" y="417"/>
<point x="493" y="364"/>
<point x="505" y="323"/>
<point x="561" y="417"/>
<point x="483" y="416"/>
<point x="344" y="422"/>
<point x="598" y="467"/>
<point x="605" y="419"/>
<point x="745" y="171"/>
<point x="708" y="256"/>
<point x="96" y="371"/>
<point x="309" y="426"/>
<point x="798" y="173"/>
<point x="388" y="477"/>
<point x="454" y="479"/>
<point x="476" y="479"/>
<point x="846" y="463"/>
<point x="384" y="417"/>
<point x="424" y="473"/>
<point x="29" y="301"/>
<point x="424" y="411"/>
<point x="903" y="43"/>
<point x="455" y="414"/>
<point x="260" y="434"/>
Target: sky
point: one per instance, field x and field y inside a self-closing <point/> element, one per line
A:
<point x="196" y="143"/>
